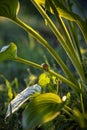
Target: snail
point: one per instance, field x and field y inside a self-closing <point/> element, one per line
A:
<point x="45" y="66"/>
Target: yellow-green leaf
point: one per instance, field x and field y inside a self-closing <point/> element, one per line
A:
<point x="63" y="12"/>
<point x="41" y="109"/>
<point x="42" y="2"/>
<point x="8" y="52"/>
<point x="9" y="8"/>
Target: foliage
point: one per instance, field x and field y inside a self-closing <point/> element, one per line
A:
<point x="51" y="107"/>
<point x="7" y="9"/>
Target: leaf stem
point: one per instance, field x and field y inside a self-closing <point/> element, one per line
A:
<point x="65" y="80"/>
<point x="68" y="111"/>
<point x="81" y="99"/>
<point x="68" y="82"/>
<point x="21" y="60"/>
<point x="48" y="47"/>
<point x="62" y="41"/>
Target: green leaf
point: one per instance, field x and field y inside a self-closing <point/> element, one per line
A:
<point x="9" y="8"/>
<point x="21" y="98"/>
<point x="42" y="2"/>
<point x="80" y="118"/>
<point x="8" y="52"/>
<point x="65" y="13"/>
<point x="41" y="109"/>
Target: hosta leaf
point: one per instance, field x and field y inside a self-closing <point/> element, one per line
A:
<point x="16" y="103"/>
<point x="8" y="52"/>
<point x="63" y="12"/>
<point x="9" y="8"/>
<point x="41" y="109"/>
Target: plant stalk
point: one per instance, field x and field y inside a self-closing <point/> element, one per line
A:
<point x="81" y="99"/>
<point x="68" y="50"/>
<point x="65" y="80"/>
<point x="48" y="47"/>
<point x="68" y="113"/>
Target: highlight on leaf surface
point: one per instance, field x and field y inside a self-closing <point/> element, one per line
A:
<point x="41" y="109"/>
<point x="9" y="8"/>
<point x="65" y="13"/>
<point x="8" y="52"/>
<point x="42" y="2"/>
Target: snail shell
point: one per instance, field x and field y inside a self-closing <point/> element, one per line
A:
<point x="45" y="66"/>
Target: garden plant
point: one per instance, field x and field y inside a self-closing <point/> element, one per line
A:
<point x="47" y="104"/>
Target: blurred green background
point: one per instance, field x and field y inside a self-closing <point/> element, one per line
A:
<point x="28" y="47"/>
<point x="19" y="75"/>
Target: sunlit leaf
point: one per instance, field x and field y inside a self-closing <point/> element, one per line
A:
<point x="22" y="97"/>
<point x="8" y="52"/>
<point x="41" y="109"/>
<point x="63" y="12"/>
<point x="9" y="8"/>
<point x="42" y="2"/>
